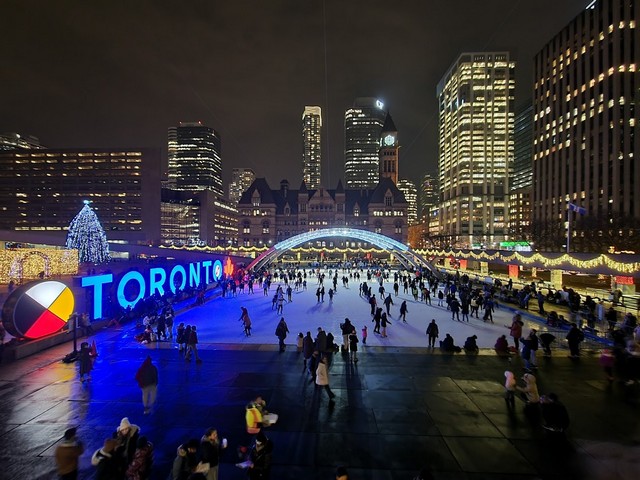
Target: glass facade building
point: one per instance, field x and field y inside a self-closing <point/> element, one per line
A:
<point x="410" y="192"/>
<point x="585" y="130"/>
<point x="195" y="161"/>
<point x="312" y="146"/>
<point x="241" y="179"/>
<point x="362" y="127"/>
<point x="475" y="148"/>
<point x="43" y="190"/>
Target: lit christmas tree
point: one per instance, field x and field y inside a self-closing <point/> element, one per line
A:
<point x="87" y="235"/>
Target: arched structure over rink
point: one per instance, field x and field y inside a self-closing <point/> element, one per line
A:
<point x="407" y="257"/>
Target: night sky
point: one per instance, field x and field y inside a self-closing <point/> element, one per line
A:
<point x="119" y="73"/>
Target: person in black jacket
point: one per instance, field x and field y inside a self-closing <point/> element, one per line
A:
<point x="210" y="451"/>
<point x="147" y="378"/>
<point x="574" y="337"/>
<point x="260" y="458"/>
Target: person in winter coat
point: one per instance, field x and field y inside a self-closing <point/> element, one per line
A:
<point x="448" y="346"/>
<point x="186" y="460"/>
<point x="321" y="340"/>
<point x="192" y="343"/>
<point x="470" y="345"/>
<point x="432" y="333"/>
<point x="147" y="378"/>
<point x="510" y="389"/>
<point x="555" y="417"/>
<point x="246" y="321"/>
<point x="260" y="458"/>
<point x="140" y="467"/>
<point x="106" y="462"/>
<point x="384" y="321"/>
<point x="574" y="337"/>
<point x="126" y="436"/>
<point x="346" y="328"/>
<point x="281" y="332"/>
<point x="502" y="345"/>
<point x="515" y="329"/>
<point x="86" y="362"/>
<point x="403" y="311"/>
<point x="322" y="377"/>
<point x="67" y="454"/>
<point x="530" y="389"/>
<point x="307" y="349"/>
<point x="210" y="451"/>
<point x="353" y="345"/>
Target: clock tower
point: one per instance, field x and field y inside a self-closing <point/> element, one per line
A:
<point x="388" y="153"/>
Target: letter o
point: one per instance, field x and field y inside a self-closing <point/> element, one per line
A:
<point x="133" y="275"/>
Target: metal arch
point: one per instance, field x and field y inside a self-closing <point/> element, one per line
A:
<point x="407" y="257"/>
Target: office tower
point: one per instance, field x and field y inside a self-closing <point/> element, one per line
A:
<point x="42" y="190"/>
<point x="15" y="141"/>
<point x="241" y="179"/>
<point x="522" y="176"/>
<point x="410" y="192"/>
<point x="195" y="158"/>
<point x="312" y="146"/>
<point x="475" y="99"/>
<point x="388" y="153"/>
<point x="429" y="194"/>
<point x="585" y="128"/>
<point x="362" y="127"/>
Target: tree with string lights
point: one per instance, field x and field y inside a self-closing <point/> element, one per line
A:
<point x="87" y="236"/>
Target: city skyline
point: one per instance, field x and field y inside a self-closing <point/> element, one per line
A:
<point x="121" y="77"/>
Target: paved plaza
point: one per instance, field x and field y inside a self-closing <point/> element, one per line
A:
<point x="399" y="409"/>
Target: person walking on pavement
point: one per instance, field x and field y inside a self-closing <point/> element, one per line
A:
<point x="433" y="333"/>
<point x="376" y="319"/>
<point x="307" y="349"/>
<point x="353" y="345"/>
<point x="346" y="328"/>
<point x="192" y="343"/>
<point x="322" y="377"/>
<point x="147" y="378"/>
<point x="67" y="454"/>
<point x="281" y="332"/>
<point x="574" y="337"/>
<point x="211" y="450"/>
<point x="455" y="309"/>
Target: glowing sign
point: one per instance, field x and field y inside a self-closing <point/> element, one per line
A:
<point x="38" y="309"/>
<point x="228" y="267"/>
<point x="620" y="280"/>
<point x="133" y="286"/>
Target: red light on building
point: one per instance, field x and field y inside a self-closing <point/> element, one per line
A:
<point x="624" y="280"/>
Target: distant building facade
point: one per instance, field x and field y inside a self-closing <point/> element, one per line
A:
<point x="267" y="216"/>
<point x="195" y="158"/>
<point x="241" y="179"/>
<point x="312" y="146"/>
<point x="410" y="192"/>
<point x="362" y="127"/>
<point x="522" y="177"/>
<point x="476" y="120"/>
<point x="429" y="194"/>
<point x="15" y="141"/>
<point x="586" y="130"/>
<point x="197" y="219"/>
<point x="43" y="190"/>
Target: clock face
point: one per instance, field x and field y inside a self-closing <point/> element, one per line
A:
<point x="389" y="140"/>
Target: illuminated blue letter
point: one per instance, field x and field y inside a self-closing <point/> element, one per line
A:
<point x="154" y="283"/>
<point x="96" y="282"/>
<point x="133" y="275"/>
<point x="172" y="284"/>
<point x="207" y="275"/>
<point x="194" y="274"/>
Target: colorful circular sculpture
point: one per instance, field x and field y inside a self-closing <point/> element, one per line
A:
<point x="38" y="309"/>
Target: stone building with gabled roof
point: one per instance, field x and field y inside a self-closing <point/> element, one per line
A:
<point x="267" y="216"/>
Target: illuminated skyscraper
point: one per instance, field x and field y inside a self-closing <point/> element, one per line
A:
<point x="586" y="133"/>
<point x="521" y="179"/>
<point x="195" y="158"/>
<point x="362" y="127"/>
<point x="311" y="146"/>
<point x="410" y="192"/>
<point x="429" y="193"/>
<point x="476" y="119"/>
<point x="388" y="153"/>
<point x="241" y="179"/>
